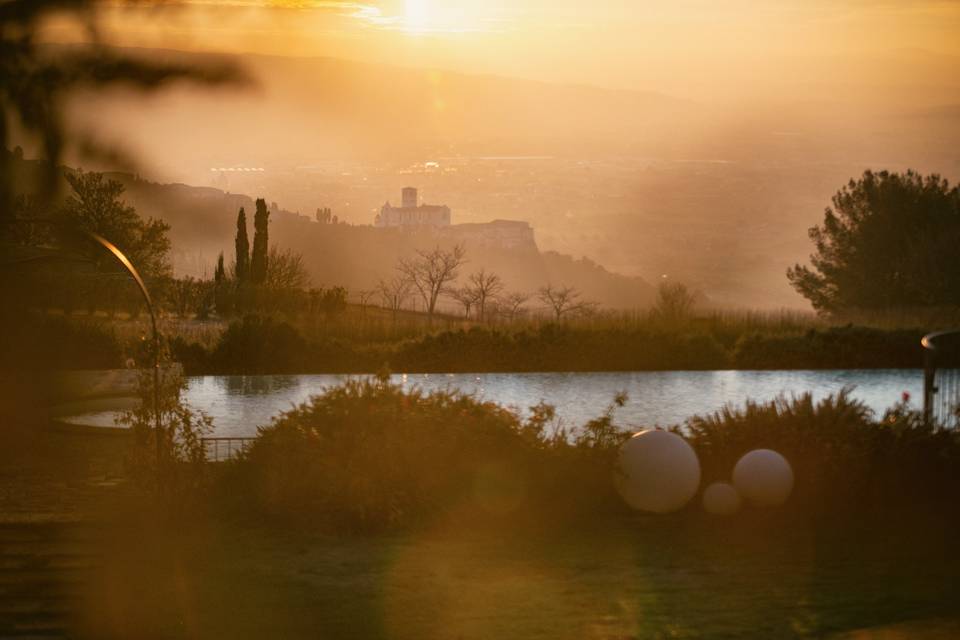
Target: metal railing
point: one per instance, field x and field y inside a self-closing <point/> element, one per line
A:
<point x="941" y="378"/>
<point x="223" y="448"/>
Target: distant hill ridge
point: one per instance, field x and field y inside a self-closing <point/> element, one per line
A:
<point x="203" y="223"/>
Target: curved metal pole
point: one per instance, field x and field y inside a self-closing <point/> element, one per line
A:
<point x="122" y="258"/>
<point x="132" y="270"/>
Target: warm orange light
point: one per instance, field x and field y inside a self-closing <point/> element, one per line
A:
<point x="416" y="15"/>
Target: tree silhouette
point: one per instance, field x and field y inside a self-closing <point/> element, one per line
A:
<point x="889" y="240"/>
<point x="431" y="271"/>
<point x="394" y="293"/>
<point x="674" y="302"/>
<point x="513" y="303"/>
<point x="484" y="286"/>
<point x="259" y="257"/>
<point x="241" y="264"/>
<point x="285" y="270"/>
<point x="364" y="296"/>
<point x="219" y="273"/>
<point x="221" y="296"/>
<point x="96" y="205"/>
<point x="563" y="301"/>
<point x="467" y="297"/>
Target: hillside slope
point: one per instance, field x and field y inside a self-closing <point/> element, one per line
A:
<point x="203" y="223"/>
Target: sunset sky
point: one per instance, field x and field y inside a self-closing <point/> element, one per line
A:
<point x="675" y="47"/>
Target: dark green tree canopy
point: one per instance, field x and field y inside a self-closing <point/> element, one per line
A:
<point x="96" y="205"/>
<point x="890" y="240"/>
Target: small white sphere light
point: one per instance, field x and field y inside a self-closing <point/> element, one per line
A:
<point x="763" y="477"/>
<point x="658" y="471"/>
<point x="721" y="499"/>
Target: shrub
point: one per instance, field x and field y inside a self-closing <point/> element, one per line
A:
<point x="368" y="455"/>
<point x="843" y="459"/>
<point x="42" y="342"/>
<point x="260" y="345"/>
<point x="837" y="347"/>
<point x="178" y="473"/>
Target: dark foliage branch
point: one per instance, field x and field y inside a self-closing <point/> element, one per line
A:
<point x="35" y="79"/>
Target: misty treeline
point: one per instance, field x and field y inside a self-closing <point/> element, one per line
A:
<point x="260" y="278"/>
<point x="266" y="279"/>
<point x="257" y="344"/>
<point x="54" y="269"/>
<point x="278" y="281"/>
<point x="430" y="276"/>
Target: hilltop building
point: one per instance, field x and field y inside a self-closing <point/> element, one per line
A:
<point x="502" y="234"/>
<point x="412" y="214"/>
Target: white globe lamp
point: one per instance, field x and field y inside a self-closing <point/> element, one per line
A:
<point x="721" y="499"/>
<point x="658" y="471"/>
<point x="763" y="477"/>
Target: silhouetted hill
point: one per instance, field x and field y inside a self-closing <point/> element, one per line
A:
<point x="203" y="223"/>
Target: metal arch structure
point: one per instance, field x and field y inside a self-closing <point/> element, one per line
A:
<point x="132" y="270"/>
<point x="941" y="378"/>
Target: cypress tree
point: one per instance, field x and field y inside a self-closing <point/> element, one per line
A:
<point x="219" y="274"/>
<point x="220" y="294"/>
<point x="258" y="261"/>
<point x="243" y="248"/>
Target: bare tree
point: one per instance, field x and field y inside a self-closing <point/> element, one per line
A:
<point x="394" y="293"/>
<point x="365" y="295"/>
<point x="431" y="271"/>
<point x="183" y="295"/>
<point x="285" y="270"/>
<point x="675" y="302"/>
<point x="513" y="303"/>
<point x="484" y="286"/>
<point x="466" y="296"/>
<point x="563" y="301"/>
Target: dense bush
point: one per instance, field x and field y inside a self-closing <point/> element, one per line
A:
<point x="44" y="342"/>
<point x="173" y="469"/>
<point x="834" y="348"/>
<point x="260" y="345"/>
<point x="843" y="458"/>
<point x="263" y="345"/>
<point x="556" y="347"/>
<point x="368" y="455"/>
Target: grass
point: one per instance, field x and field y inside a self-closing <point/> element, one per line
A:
<point x="624" y="578"/>
<point x="364" y="339"/>
<point x="766" y="574"/>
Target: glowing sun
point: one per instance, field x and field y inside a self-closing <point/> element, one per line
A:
<point x="416" y="15"/>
